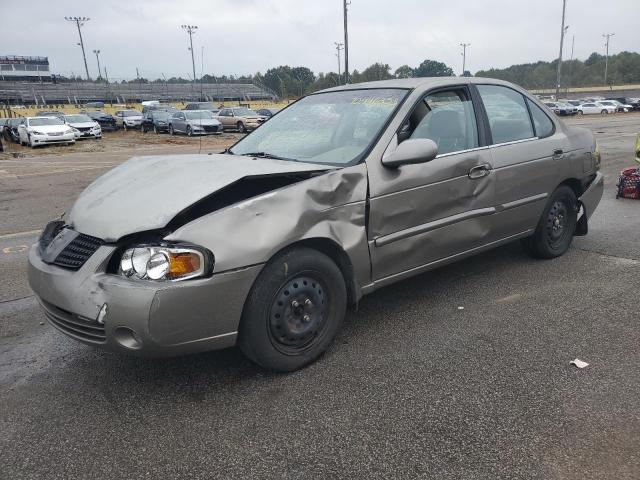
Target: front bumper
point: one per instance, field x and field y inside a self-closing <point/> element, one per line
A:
<point x="51" y="139"/>
<point x="143" y="318"/>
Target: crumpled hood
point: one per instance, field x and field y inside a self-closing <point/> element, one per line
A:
<point x="146" y="193"/>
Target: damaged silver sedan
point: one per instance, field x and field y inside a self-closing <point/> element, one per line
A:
<point x="343" y="192"/>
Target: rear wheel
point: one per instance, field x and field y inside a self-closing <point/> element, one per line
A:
<point x="604" y="112"/>
<point x="580" y="112"/>
<point x="189" y="131"/>
<point x="143" y="128"/>
<point x="293" y="310"/>
<point x="124" y="127"/>
<point x="241" y="127"/>
<point x="557" y="225"/>
<point x="171" y="131"/>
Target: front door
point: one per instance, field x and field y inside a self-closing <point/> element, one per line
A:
<point x="426" y="213"/>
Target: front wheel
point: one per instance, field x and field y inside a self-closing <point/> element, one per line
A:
<point x="580" y="112"/>
<point x="155" y="129"/>
<point x="189" y="131"/>
<point x="171" y="131"/>
<point x="557" y="225"/>
<point x="604" y="112"/>
<point x="124" y="127"/>
<point x="293" y="310"/>
<point x="241" y="127"/>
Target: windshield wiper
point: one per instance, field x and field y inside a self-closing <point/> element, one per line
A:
<point x="266" y="155"/>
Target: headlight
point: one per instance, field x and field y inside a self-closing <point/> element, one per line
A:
<point x="34" y="132"/>
<point x="165" y="263"/>
<point x="162" y="123"/>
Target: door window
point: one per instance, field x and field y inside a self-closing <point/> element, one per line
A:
<point x="541" y="122"/>
<point x="508" y="115"/>
<point x="445" y="117"/>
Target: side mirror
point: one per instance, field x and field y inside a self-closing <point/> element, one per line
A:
<point x="417" y="150"/>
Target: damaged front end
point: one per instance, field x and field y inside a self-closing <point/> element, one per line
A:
<point x="203" y="226"/>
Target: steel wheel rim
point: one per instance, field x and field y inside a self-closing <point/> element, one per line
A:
<point x="557" y="224"/>
<point x="298" y="313"/>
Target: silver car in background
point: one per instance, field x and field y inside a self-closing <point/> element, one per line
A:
<point x="194" y="122"/>
<point x="128" y="119"/>
<point x="343" y="192"/>
<point x="83" y="126"/>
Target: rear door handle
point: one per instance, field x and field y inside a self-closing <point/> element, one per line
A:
<point x="479" y="171"/>
<point x="558" y="153"/>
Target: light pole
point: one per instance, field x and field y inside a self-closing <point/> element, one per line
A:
<point x="339" y="46"/>
<point x="346" y="41"/>
<point x="464" y="56"/>
<point x="562" y="32"/>
<point x="606" y="60"/>
<point x="80" y="21"/>
<point x="191" y="29"/>
<point x="97" y="52"/>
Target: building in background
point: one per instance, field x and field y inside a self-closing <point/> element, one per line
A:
<point x="18" y="68"/>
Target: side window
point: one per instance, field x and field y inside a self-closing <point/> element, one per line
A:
<point x="542" y="124"/>
<point x="447" y="118"/>
<point x="508" y="115"/>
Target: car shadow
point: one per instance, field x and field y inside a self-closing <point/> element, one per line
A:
<point x="196" y="374"/>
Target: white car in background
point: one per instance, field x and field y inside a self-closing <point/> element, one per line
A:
<point x="83" y="126"/>
<point x="620" y="107"/>
<point x="593" y="108"/>
<point x="34" y="131"/>
<point x="128" y="119"/>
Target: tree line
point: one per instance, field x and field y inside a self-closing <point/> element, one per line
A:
<point x="291" y="82"/>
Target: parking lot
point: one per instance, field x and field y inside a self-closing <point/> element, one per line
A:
<point x="459" y="373"/>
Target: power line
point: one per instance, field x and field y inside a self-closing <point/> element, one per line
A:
<point x="80" y="21"/>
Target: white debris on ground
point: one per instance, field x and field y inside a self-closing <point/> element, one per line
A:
<point x="579" y="363"/>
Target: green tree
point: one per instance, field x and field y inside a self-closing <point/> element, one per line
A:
<point x="405" y="71"/>
<point x="432" y="68"/>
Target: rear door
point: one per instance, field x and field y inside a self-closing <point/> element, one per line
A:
<point x="525" y="149"/>
<point x="421" y="214"/>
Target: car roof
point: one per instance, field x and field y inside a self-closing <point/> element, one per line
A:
<point x="411" y="83"/>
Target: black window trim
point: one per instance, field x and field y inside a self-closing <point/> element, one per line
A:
<point x="528" y="101"/>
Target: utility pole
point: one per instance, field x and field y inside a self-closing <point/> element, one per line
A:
<point x="464" y="56"/>
<point x="346" y="41"/>
<point x="573" y="44"/>
<point x="97" y="52"/>
<point x="606" y="61"/>
<point x="339" y="46"/>
<point x="562" y="32"/>
<point x="191" y="29"/>
<point x="80" y="21"/>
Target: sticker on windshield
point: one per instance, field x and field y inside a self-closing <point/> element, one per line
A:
<point x="374" y="101"/>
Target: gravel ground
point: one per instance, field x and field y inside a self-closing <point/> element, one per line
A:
<point x="414" y="386"/>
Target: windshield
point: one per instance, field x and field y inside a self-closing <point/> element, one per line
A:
<point x="333" y="128"/>
<point x="244" y="112"/>
<point x="131" y="113"/>
<point x="206" y="106"/>
<point x="160" y="114"/>
<point x="199" y="115"/>
<point x="77" y="118"/>
<point x="39" y="122"/>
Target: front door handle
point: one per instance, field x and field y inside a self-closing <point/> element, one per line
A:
<point x="479" y="171"/>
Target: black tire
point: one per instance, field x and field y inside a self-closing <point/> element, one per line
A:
<point x="604" y="112"/>
<point x="293" y="311"/>
<point x="171" y="131"/>
<point x="155" y="129"/>
<point x="124" y="126"/>
<point x="556" y="227"/>
<point x="143" y="129"/>
<point x="189" y="131"/>
<point x="241" y="128"/>
<point x="580" y="112"/>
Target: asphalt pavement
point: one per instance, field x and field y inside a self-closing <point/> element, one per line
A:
<point x="461" y="373"/>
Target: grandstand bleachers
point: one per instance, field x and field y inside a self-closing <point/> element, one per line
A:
<point x="30" y="93"/>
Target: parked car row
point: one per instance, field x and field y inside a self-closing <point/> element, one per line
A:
<point x="50" y="127"/>
<point x="593" y="106"/>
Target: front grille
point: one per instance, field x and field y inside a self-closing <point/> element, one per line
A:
<point x="210" y="128"/>
<point x="84" y="129"/>
<point x="78" y="251"/>
<point x="74" y="325"/>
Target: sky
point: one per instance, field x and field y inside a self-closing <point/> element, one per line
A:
<point x="243" y="37"/>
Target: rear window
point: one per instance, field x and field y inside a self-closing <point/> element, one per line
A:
<point x="542" y="124"/>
